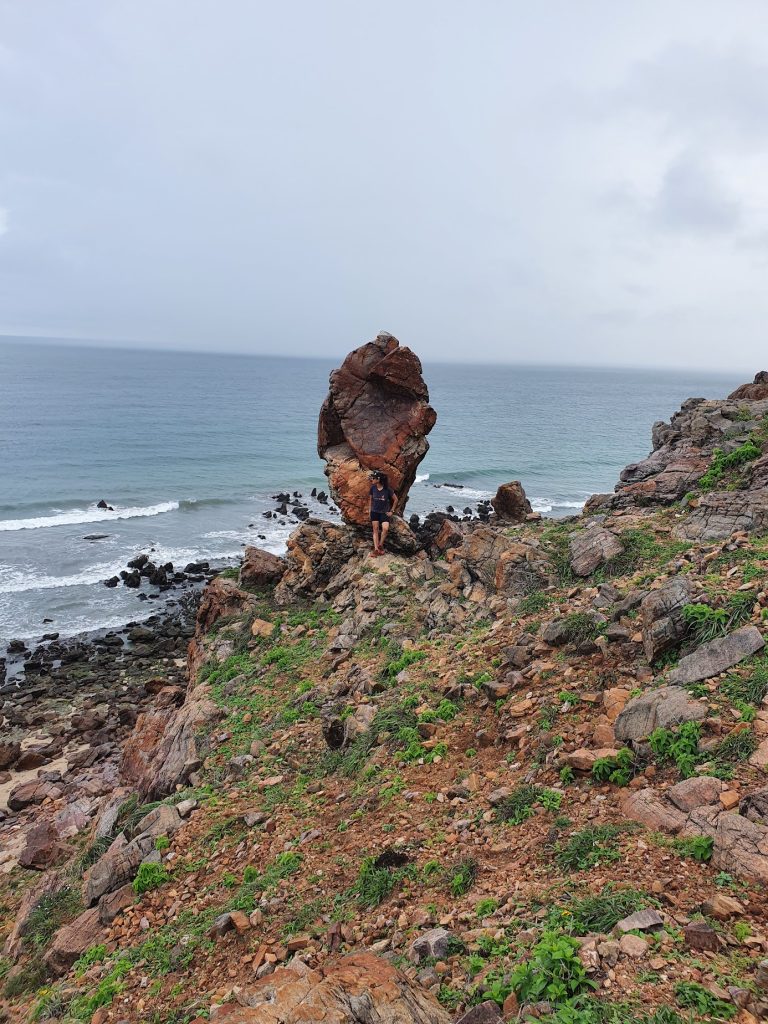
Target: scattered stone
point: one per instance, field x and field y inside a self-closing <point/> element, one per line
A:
<point x="701" y="936"/>
<point x="665" y="708"/>
<point x="510" y="503"/>
<point x="634" y="946"/>
<point x="642" y="921"/>
<point x="432" y="944"/>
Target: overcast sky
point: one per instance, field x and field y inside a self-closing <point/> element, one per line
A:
<point x="487" y="179"/>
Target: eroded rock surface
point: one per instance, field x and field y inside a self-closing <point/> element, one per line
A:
<point x="510" y="503"/>
<point x="716" y="656"/>
<point x="665" y="708"/>
<point x="376" y="417"/>
<point x="360" y="989"/>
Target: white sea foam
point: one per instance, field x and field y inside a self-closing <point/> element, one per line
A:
<point x="16" y="581"/>
<point x="76" y="516"/>
<point x="421" y="477"/>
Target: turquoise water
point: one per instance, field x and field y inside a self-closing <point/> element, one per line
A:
<point x="188" y="449"/>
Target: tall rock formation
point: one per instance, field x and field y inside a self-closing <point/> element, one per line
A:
<point x="376" y="417"/>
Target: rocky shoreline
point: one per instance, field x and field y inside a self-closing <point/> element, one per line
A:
<point x="402" y="788"/>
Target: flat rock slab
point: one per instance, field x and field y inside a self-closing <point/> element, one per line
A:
<point x="642" y="921"/>
<point x="718" y="655"/>
<point x="664" y="708"/>
<point x="591" y="548"/>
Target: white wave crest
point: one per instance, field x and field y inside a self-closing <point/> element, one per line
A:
<point x="76" y="516"/>
<point x="16" y="581"/>
<point x="421" y="477"/>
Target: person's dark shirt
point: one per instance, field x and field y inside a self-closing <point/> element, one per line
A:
<point x="381" y="499"/>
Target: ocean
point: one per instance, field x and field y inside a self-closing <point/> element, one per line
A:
<point x="190" y="448"/>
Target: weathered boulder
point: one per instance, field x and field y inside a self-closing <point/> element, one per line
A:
<point x="502" y="563"/>
<point x="43" y="847"/>
<point x="222" y="598"/>
<point x="592" y="547"/>
<point x="741" y="845"/>
<point x="10" y="751"/>
<point x="116" y="867"/>
<point x="510" y="502"/>
<point x="260" y="568"/>
<point x="719" y="513"/>
<point x="317" y="552"/>
<point x="755" y="391"/>
<point x="665" y="708"/>
<point x="33" y="792"/>
<point x="698" y="791"/>
<point x="71" y="941"/>
<point x="359" y="989"/>
<point x="434" y="943"/>
<point x="755" y="806"/>
<point x="376" y="417"/>
<point x="522" y="569"/>
<point x="716" y="656"/>
<point x="113" y="903"/>
<point x="661" y="616"/>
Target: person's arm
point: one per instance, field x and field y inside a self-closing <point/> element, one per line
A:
<point x="393" y="505"/>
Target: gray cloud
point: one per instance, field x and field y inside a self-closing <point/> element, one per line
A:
<point x="581" y="183"/>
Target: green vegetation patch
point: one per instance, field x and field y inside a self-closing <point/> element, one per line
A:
<point x="680" y="747"/>
<point x="519" y="805"/>
<point x="586" y="849"/>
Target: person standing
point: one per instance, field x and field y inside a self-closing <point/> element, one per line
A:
<point x="383" y="505"/>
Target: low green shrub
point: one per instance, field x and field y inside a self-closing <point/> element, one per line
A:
<point x="554" y="972"/>
<point x="464" y="877"/>
<point x="698" y="848"/>
<point x="618" y="769"/>
<point x="690" y="995"/>
<point x="518" y="806"/>
<point x="589" y="847"/>
<point x="149" y="876"/>
<point x="680" y="746"/>
<point x="603" y="911"/>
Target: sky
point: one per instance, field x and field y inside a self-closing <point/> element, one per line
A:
<point x="490" y="181"/>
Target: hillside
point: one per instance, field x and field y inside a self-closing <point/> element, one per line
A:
<point x="520" y="772"/>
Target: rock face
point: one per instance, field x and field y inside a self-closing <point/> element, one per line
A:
<point x="511" y="503"/>
<point x="360" y="989"/>
<point x="661" y="614"/>
<point x="593" y="547"/>
<point x="376" y="417"/>
<point x="260" y="568"/>
<point x="683" y="450"/>
<point x="716" y="656"/>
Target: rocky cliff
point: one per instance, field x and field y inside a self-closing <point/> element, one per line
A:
<point x="520" y="772"/>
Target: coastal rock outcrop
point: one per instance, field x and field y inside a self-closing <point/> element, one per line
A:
<point x="711" y="446"/>
<point x="376" y="417"/>
<point x="260" y="568"/>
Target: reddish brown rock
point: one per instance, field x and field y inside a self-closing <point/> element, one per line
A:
<point x="511" y="503"/>
<point x="71" y="941"/>
<point x="755" y="391"/>
<point x="43" y="847"/>
<point x="9" y="753"/>
<point x="376" y="417"/>
<point x="359" y="989"/>
<point x="32" y="792"/>
<point x="260" y="568"/>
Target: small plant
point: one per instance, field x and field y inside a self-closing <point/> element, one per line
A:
<point x="486" y="907"/>
<point x="587" y="848"/>
<point x="721" y="463"/>
<point x="463" y="877"/>
<point x="579" y="628"/>
<point x="742" y="930"/>
<point x="751" y="688"/>
<point x="738" y="746"/>
<point x="162" y="843"/>
<point x="723" y="879"/>
<point x="692" y="996"/>
<point x="602" y="912"/>
<point x="681" y="747"/>
<point x="554" y="972"/>
<point x="617" y="769"/>
<point x="698" y="848"/>
<point x="518" y="806"/>
<point x="378" y="876"/>
<point x="567" y="775"/>
<point x="534" y="602"/>
<point x="149" y="876"/>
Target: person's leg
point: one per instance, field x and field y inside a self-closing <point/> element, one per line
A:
<point x="375" y="526"/>
<point x="384" y="532"/>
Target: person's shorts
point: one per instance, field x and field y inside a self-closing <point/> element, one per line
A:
<point x="379" y="517"/>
